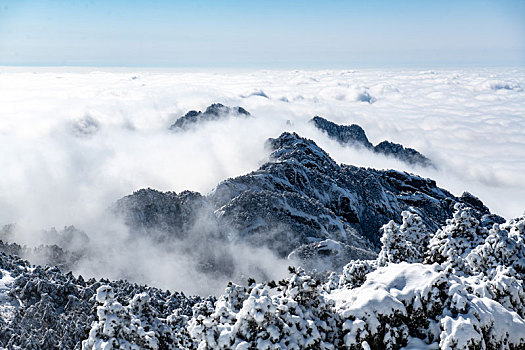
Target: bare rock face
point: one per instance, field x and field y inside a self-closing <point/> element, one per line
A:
<point x="148" y="210"/>
<point x="362" y="200"/>
<point x="213" y="112"/>
<point x="354" y="135"/>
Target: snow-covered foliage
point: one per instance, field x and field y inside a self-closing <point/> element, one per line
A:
<point x="451" y="244"/>
<point x="504" y="247"/>
<point x="405" y="242"/>
<point x="117" y="326"/>
<point x="293" y="315"/>
<point x="428" y="302"/>
<point x="460" y="288"/>
<point x="464" y="290"/>
<point x="354" y="273"/>
<point x="135" y="326"/>
<point x="43" y="308"/>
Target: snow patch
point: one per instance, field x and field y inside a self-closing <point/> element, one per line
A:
<point x="8" y="304"/>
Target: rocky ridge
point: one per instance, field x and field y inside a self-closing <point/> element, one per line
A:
<point x="301" y="204"/>
<point x="213" y="112"/>
<point x="354" y="135"/>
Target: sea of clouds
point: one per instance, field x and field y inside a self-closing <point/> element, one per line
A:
<point x="74" y="140"/>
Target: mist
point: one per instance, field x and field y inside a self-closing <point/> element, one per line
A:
<point x="74" y="141"/>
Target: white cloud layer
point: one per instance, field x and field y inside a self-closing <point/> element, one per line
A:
<point x="73" y="141"/>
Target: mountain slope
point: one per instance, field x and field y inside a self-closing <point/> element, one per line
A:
<point x="297" y="201"/>
<point x="421" y="267"/>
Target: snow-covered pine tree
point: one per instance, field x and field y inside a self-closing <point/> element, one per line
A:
<point x="135" y="326"/>
<point x="451" y="244"/>
<point x="405" y="242"/>
<point x="294" y="315"/>
<point x="355" y="272"/>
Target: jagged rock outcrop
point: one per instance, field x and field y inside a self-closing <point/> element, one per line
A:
<point x="361" y="199"/>
<point x="299" y="198"/>
<point x="346" y="134"/>
<point x="149" y="210"/>
<point x="213" y="112"/>
<point x="406" y="154"/>
<point x="354" y="135"/>
<point x="449" y="273"/>
<point x="291" y="204"/>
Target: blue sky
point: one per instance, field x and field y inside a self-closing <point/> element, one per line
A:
<point x="292" y="34"/>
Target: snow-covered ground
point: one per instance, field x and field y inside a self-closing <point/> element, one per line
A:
<point x="389" y="290"/>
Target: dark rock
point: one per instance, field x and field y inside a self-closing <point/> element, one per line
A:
<point x="473" y="201"/>
<point x="354" y="135"/>
<point x="408" y="155"/>
<point x="328" y="255"/>
<point x="345" y="134"/>
<point x="213" y="112"/>
<point x="300" y="204"/>
<point x="300" y="197"/>
<point x="259" y="93"/>
<point x="148" y="210"/>
<point x="297" y="199"/>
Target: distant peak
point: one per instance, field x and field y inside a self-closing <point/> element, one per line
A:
<point x="345" y="134"/>
<point x="354" y="135"/>
<point x="218" y="109"/>
<point x="406" y="154"/>
<point x="213" y="112"/>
